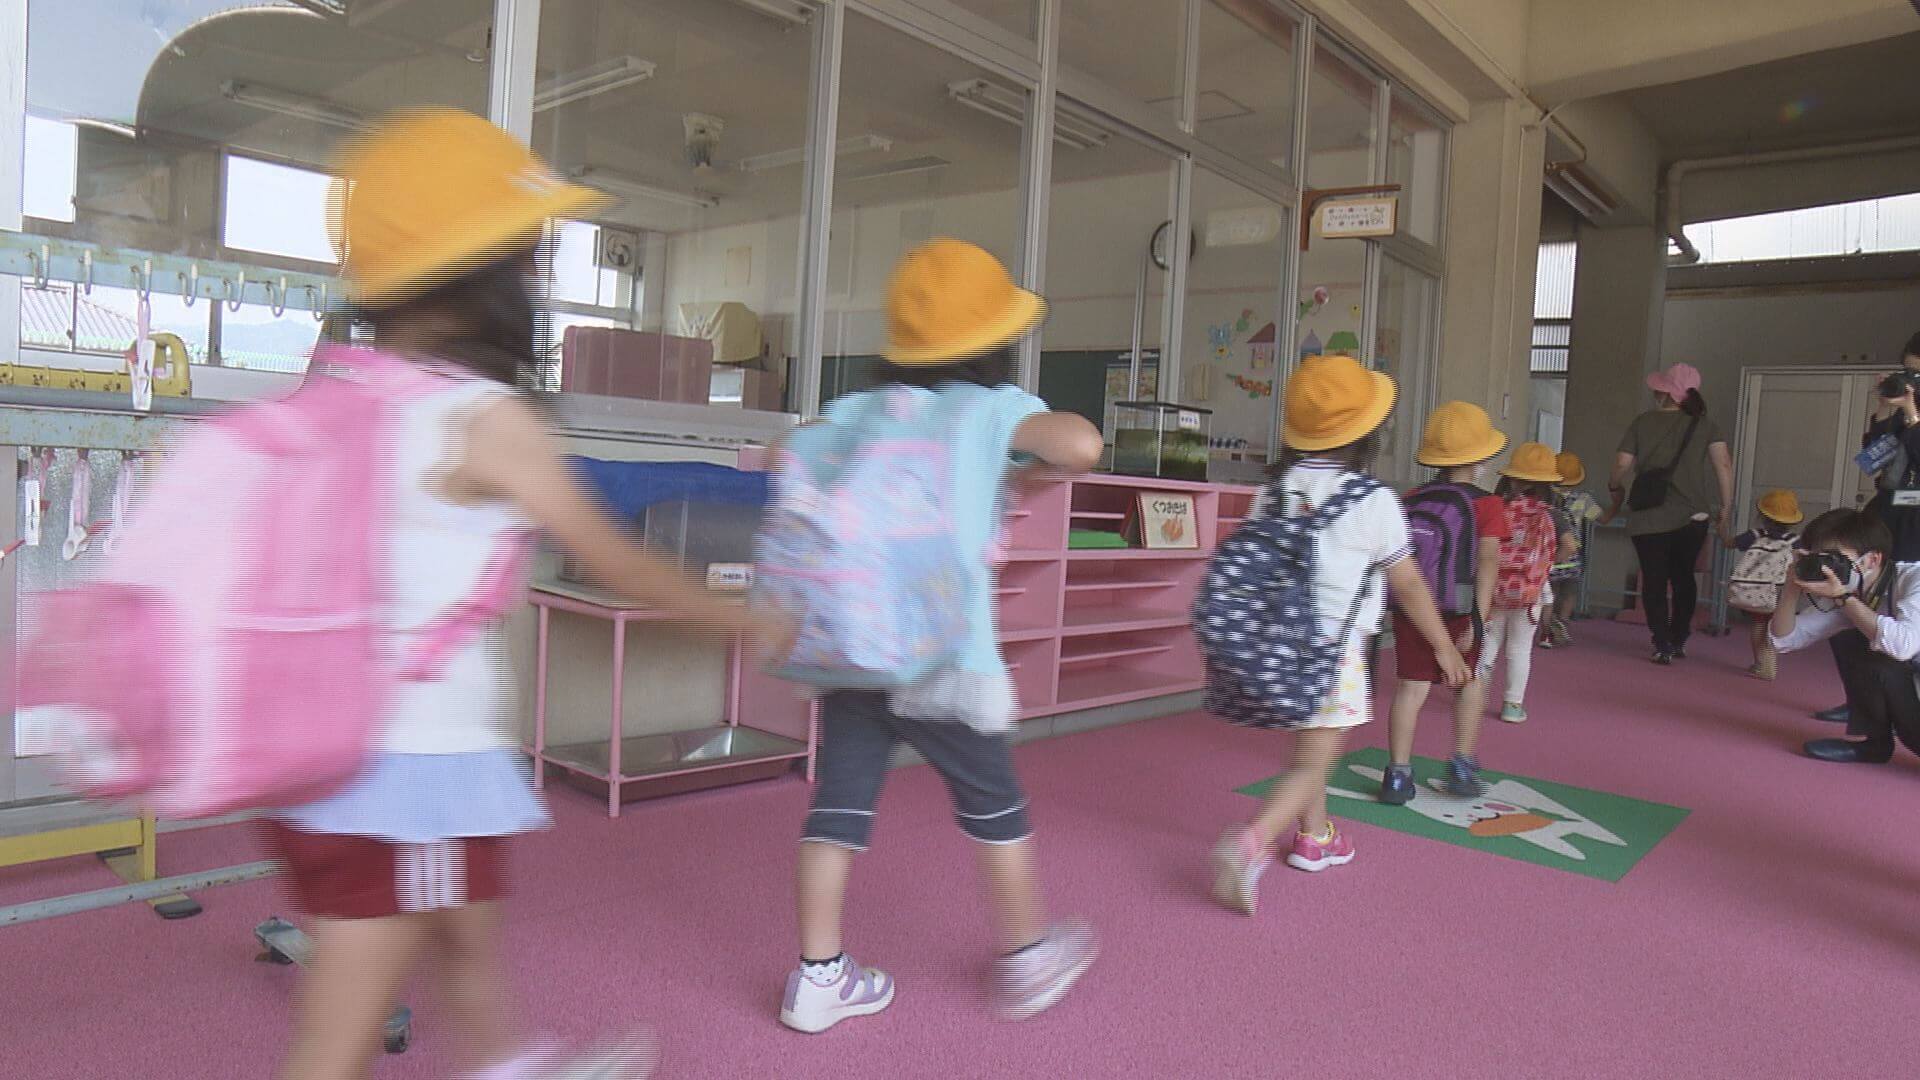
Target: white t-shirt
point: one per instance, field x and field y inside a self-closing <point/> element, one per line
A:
<point x="1355" y="550"/>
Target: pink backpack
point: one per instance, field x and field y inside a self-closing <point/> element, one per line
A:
<point x="1526" y="554"/>
<point x="231" y="652"/>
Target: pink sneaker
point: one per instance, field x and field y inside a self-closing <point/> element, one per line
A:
<point x="1312" y="856"/>
<point x="1238" y="862"/>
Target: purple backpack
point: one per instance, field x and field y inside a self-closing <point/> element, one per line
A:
<point x="1440" y="521"/>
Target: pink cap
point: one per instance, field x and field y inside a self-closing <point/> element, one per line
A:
<point x="1675" y="381"/>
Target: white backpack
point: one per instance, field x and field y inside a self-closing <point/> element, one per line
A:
<point x="1759" y="573"/>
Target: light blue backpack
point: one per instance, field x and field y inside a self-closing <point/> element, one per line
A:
<point x="858" y="546"/>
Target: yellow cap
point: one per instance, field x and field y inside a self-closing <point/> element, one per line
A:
<point x="1333" y="401"/>
<point x="1782" y="506"/>
<point x="1534" y="462"/>
<point x="1572" y="473"/>
<point x="430" y="194"/>
<point x="1459" y="433"/>
<point x="950" y="300"/>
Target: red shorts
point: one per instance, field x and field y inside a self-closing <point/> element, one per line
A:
<point x="358" y="877"/>
<point x="1414" y="656"/>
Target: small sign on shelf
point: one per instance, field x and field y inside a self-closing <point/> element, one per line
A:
<point x="1163" y="521"/>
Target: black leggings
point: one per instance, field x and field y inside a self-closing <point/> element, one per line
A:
<point x="1666" y="563"/>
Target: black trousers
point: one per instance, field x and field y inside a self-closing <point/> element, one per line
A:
<point x="1666" y="566"/>
<point x="1881" y="700"/>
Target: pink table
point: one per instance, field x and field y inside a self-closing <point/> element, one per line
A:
<point x="785" y="728"/>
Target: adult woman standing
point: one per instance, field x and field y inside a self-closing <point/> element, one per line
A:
<point x="1682" y="477"/>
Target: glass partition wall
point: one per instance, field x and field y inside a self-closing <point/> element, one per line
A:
<point x="772" y="158"/>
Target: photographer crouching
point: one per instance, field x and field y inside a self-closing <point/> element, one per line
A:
<point x="1890" y="453"/>
<point x="1870" y="606"/>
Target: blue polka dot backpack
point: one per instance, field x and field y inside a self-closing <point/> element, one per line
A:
<point x="1268" y="663"/>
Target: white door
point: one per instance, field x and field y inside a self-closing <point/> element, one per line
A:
<point x="1799" y="430"/>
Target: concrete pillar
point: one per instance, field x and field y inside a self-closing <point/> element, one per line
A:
<point x="1493" y="240"/>
<point x="1619" y="295"/>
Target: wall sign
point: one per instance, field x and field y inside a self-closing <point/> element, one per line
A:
<point x="1373" y="216"/>
<point x="1163" y="519"/>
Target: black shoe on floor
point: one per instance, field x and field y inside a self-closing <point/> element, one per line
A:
<point x="1679" y="652"/>
<point x="1839" y="714"/>
<point x="1662" y="656"/>
<point x="1848" y="751"/>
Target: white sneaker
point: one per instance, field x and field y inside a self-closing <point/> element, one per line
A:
<point x="1033" y="981"/>
<point x="1237" y="867"/>
<point x="814" y="1007"/>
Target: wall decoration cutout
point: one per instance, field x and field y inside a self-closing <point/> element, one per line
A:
<point x="1246" y="319"/>
<point x="1315" y="300"/>
<point x="1264" y="346"/>
<point x="1310" y="345"/>
<point x="1344" y="342"/>
<point x="1255" y="388"/>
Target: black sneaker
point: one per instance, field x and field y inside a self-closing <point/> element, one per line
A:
<point x="1679" y="652"/>
<point x="1663" y="656"/>
<point x="1396" y="785"/>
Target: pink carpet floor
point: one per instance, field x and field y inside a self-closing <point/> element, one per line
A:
<point x="1776" y="933"/>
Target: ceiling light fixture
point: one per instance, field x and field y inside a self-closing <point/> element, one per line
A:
<point x="893" y="168"/>
<point x="791" y="12"/>
<point x="622" y="184"/>
<point x="589" y="81"/>
<point x="780" y="159"/>
<point x="1005" y="103"/>
<point x="300" y="108"/>
<point x="1580" y="192"/>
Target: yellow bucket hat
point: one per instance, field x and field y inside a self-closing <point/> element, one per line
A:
<point x="1572" y="472"/>
<point x="1459" y="433"/>
<point x="429" y="194"/>
<point x="950" y="300"/>
<point x="1782" y="506"/>
<point x="1333" y="401"/>
<point x="1534" y="462"/>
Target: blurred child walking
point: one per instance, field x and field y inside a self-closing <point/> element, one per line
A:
<point x="1577" y="510"/>
<point x="439" y="222"/>
<point x="1535" y="540"/>
<point x="1456" y="527"/>
<point x="1760" y="570"/>
<point x="1356" y="533"/>
<point x="953" y="316"/>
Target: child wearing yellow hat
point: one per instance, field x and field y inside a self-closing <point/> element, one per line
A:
<point x="1760" y="570"/>
<point x="440" y="216"/>
<point x="1457" y="527"/>
<point x="953" y="318"/>
<point x="1535" y="539"/>
<point x="1333" y="411"/>
<point x="1576" y="509"/>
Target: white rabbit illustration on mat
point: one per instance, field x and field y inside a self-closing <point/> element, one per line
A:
<point x="1509" y="808"/>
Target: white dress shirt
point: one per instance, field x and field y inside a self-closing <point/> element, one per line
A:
<point x="1899" y="632"/>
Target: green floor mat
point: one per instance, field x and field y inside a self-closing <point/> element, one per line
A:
<point x="1568" y="828"/>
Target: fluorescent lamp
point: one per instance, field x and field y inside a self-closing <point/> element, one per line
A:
<point x="1580" y="193"/>
<point x="300" y="108"/>
<point x="588" y="81"/>
<point x="791" y="12"/>
<point x="893" y="168"/>
<point x="1004" y="103"/>
<point x="859" y="144"/>
<point x="627" y="185"/>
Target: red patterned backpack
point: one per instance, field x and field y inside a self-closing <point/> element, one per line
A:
<point x="1526" y="553"/>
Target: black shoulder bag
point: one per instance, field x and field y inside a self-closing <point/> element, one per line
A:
<point x="1650" y="486"/>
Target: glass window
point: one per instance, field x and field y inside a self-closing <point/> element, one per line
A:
<point x="1014" y="15"/>
<point x="201" y="129"/>
<point x="1417" y="161"/>
<point x="51" y="169"/>
<point x="1138" y="55"/>
<point x="1855" y="228"/>
<point x="65" y="318"/>
<point x="1107" y="278"/>
<point x="1229" y="356"/>
<point x="954" y="170"/>
<point x="1404" y="347"/>
<point x="1340" y="122"/>
<point x="276" y="210"/>
<point x="1246" y="81"/>
<point x="256" y="339"/>
<point x="694" y="114"/>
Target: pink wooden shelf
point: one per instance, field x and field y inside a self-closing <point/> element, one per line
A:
<point x="1115" y="685"/>
<point x="1100" y="653"/>
<point x="1015" y="631"/>
<point x="1096" y="515"/>
<point x="1116" y="584"/>
<point x="1107" y="619"/>
<point x="1124" y="554"/>
<point x="1031" y="555"/>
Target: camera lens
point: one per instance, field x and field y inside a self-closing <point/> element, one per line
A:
<point x="1810" y="568"/>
